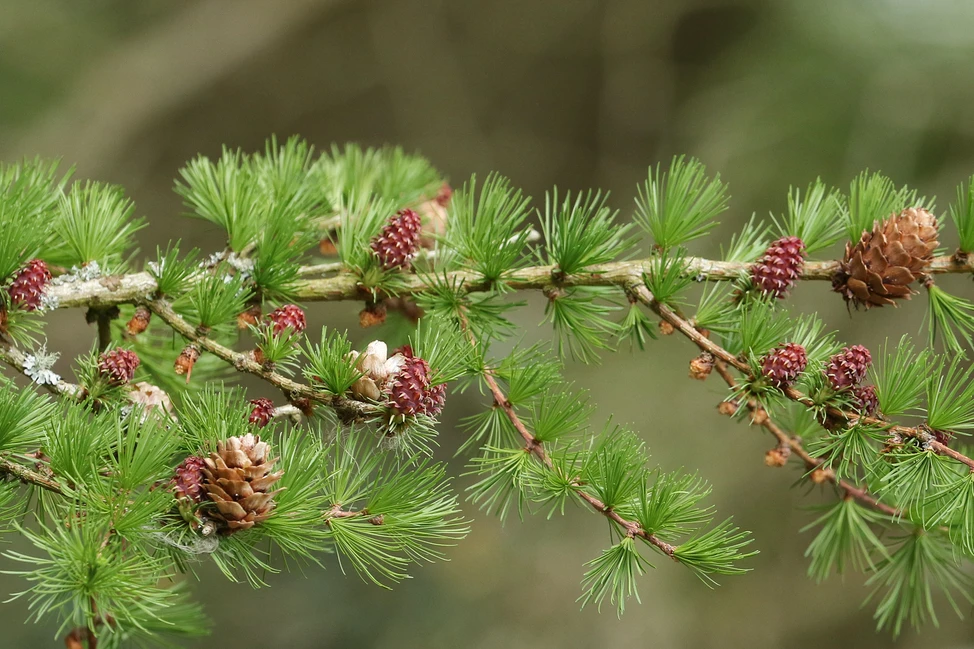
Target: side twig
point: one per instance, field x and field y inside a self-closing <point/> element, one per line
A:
<point x="536" y="448"/>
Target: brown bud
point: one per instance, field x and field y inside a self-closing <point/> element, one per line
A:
<point x="139" y="322"/>
<point x="371" y="315"/>
<point x="250" y="317"/>
<point x="759" y="416"/>
<point x="666" y="328"/>
<point x="728" y="408"/>
<point x="893" y="443"/>
<point x="778" y="456"/>
<point x="819" y="476"/>
<point x="701" y="366"/>
<point x="186" y="360"/>
<point x="327" y="248"/>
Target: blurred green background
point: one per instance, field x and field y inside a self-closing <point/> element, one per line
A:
<point x="576" y="93"/>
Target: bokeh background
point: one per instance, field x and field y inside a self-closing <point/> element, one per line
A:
<point x="577" y="93"/>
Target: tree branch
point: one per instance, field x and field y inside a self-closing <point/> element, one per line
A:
<point x="761" y="417"/>
<point x="135" y="287"/>
<point x="705" y="344"/>
<point x="345" y="408"/>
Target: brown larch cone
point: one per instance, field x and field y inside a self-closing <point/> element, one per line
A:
<point x="434" y="215"/>
<point x="879" y="269"/>
<point x="238" y="479"/>
<point x="186" y="360"/>
<point x="139" y="322"/>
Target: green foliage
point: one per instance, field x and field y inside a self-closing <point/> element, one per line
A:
<point x="613" y="574"/>
<point x="505" y="475"/>
<point x="172" y="273"/>
<point x="680" y="205"/>
<point x="578" y="316"/>
<point x="847" y="449"/>
<point x="23" y="417"/>
<point x="224" y="193"/>
<point x="637" y="326"/>
<point x="29" y="200"/>
<point x="668" y="277"/>
<point x="615" y="468"/>
<point x="94" y="224"/>
<point x="485" y="229"/>
<point x="281" y="244"/>
<point x="950" y="316"/>
<point x="717" y="551"/>
<point x="846" y="536"/>
<point x="388" y="174"/>
<point x="557" y="413"/>
<point x="817" y="219"/>
<point x="954" y="507"/>
<point x="362" y="217"/>
<point x="217" y="299"/>
<point x="412" y="511"/>
<point x="962" y="213"/>
<point x="78" y="576"/>
<point x="716" y="311"/>
<point x="914" y="474"/>
<point x="529" y="373"/>
<point x="749" y="244"/>
<point x="281" y="349"/>
<point x="109" y="531"/>
<point x="582" y="232"/>
<point x="874" y="197"/>
<point x="900" y="374"/>
<point x="440" y="343"/>
<point x="950" y="396"/>
<point x="670" y="508"/>
<point x="922" y="561"/>
<point x="760" y="329"/>
<point x="330" y="362"/>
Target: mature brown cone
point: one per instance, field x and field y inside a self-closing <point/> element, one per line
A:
<point x="879" y="269"/>
<point x="238" y="480"/>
